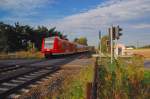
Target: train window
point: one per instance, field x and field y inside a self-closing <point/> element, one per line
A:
<point x="49" y="42"/>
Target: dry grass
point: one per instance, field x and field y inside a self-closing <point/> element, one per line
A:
<point x="143" y="52"/>
<point x="72" y="84"/>
<point x="21" y="54"/>
<point x="124" y="79"/>
<point x="75" y="85"/>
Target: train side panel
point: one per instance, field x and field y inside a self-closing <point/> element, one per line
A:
<point x="57" y="46"/>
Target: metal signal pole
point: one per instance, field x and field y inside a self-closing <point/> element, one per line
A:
<point x="111" y="43"/>
<point x="100" y="46"/>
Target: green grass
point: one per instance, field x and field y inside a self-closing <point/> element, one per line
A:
<point x="124" y="79"/>
<point x="146" y="79"/>
<point x="75" y="86"/>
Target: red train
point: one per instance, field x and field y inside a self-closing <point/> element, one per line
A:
<point x="57" y="46"/>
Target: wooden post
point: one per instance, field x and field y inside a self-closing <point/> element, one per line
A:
<point x="94" y="91"/>
<point x="89" y="90"/>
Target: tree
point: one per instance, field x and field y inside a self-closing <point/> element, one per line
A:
<point x="51" y="32"/>
<point x="39" y="34"/>
<point x="3" y="37"/>
<point x="76" y="39"/>
<point x="145" y="46"/>
<point x="24" y="35"/>
<point x="14" y="38"/>
<point x="105" y="44"/>
<point x="18" y="37"/>
<point x="81" y="40"/>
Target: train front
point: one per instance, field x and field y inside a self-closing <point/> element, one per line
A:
<point x="47" y="46"/>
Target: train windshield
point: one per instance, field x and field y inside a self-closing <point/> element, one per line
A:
<point x="49" y="42"/>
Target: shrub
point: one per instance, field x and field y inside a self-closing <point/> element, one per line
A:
<point x="124" y="79"/>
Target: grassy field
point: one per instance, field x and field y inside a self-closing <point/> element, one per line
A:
<point x="124" y="79"/>
<point x="74" y="87"/>
<point x="21" y="54"/>
<point x="143" y="52"/>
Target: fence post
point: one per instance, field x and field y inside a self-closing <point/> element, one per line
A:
<point x="89" y="90"/>
<point x="94" y="91"/>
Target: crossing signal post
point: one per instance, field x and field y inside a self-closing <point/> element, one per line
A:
<point x="107" y="43"/>
<point x="110" y="30"/>
<point x="118" y="32"/>
<point x="114" y="34"/>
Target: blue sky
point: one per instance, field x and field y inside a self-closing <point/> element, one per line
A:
<point x="83" y="17"/>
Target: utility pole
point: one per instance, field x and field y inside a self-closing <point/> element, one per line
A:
<point x="100" y="44"/>
<point x="137" y="45"/>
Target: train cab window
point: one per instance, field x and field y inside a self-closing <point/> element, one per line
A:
<point x="49" y="42"/>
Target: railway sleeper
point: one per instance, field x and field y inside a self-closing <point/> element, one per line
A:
<point x="30" y="79"/>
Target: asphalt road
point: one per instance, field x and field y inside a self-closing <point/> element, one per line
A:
<point x="147" y="64"/>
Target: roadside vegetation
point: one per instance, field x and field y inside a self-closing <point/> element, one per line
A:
<point x="143" y="52"/>
<point x="124" y="79"/>
<point x="22" y="55"/>
<point x="74" y="87"/>
<point x="145" y="47"/>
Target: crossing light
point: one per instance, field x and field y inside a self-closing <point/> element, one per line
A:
<point x="113" y="31"/>
<point x="107" y="43"/>
<point x="118" y="32"/>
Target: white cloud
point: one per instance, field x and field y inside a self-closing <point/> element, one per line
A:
<point x="113" y="12"/>
<point x="20" y="8"/>
<point x="104" y="15"/>
<point x="141" y="26"/>
<point x="23" y="4"/>
<point x="126" y="13"/>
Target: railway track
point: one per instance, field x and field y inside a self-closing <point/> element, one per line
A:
<point x="10" y="67"/>
<point x="18" y="78"/>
